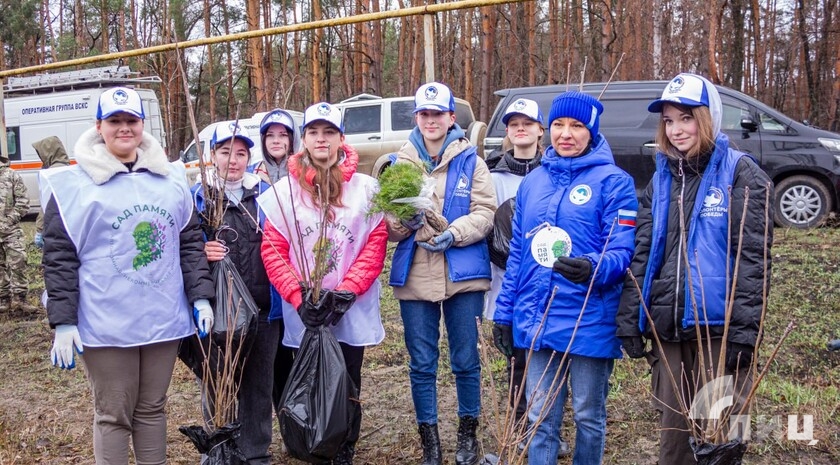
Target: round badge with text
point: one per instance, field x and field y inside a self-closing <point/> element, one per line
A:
<point x="549" y="243"/>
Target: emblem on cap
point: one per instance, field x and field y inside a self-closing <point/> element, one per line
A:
<point x="120" y="97"/>
<point x="275" y="117"/>
<point x="519" y="105"/>
<point x="431" y="93"/>
<point x="676" y="84"/>
<point x="324" y="109"/>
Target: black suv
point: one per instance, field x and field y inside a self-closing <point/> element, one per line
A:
<point x="803" y="162"/>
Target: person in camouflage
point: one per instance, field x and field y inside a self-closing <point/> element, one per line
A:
<point x="53" y="155"/>
<point x="15" y="204"/>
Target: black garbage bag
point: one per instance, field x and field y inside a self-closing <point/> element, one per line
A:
<point x="499" y="238"/>
<point x="234" y="309"/>
<point x="730" y="453"/>
<point x="219" y="446"/>
<point x="320" y="402"/>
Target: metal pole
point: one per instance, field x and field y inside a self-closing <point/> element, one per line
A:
<point x="398" y="13"/>
<point x="429" y="45"/>
<point x="4" y="140"/>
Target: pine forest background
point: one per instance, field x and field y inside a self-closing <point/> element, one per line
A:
<point x="786" y="53"/>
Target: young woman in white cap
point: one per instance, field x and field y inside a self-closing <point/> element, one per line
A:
<point x="125" y="271"/>
<point x="279" y="138"/>
<point x="569" y="222"/>
<point x="689" y="293"/>
<point x="239" y="238"/>
<point x="323" y="185"/>
<point x="448" y="275"/>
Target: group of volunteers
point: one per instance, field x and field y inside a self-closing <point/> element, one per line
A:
<point x="551" y="244"/>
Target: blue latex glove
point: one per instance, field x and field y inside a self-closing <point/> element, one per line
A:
<point x="203" y="317"/>
<point x="39" y="240"/>
<point x="66" y="340"/>
<point x="415" y="222"/>
<point x="439" y="243"/>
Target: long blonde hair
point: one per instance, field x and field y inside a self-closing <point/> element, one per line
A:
<point x="705" y="134"/>
<point x="313" y="179"/>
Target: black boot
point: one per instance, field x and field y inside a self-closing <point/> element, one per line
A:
<point x="430" y="439"/>
<point x="345" y="454"/>
<point x="467" y="453"/>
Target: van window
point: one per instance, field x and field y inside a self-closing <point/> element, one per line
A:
<point x="463" y="115"/>
<point x="191" y="154"/>
<point x="769" y="123"/>
<point x="12" y="138"/>
<point x="624" y="113"/>
<point x="360" y="120"/>
<point x="731" y="118"/>
<point x="402" y="115"/>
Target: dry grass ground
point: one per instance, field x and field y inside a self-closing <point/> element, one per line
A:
<point x="45" y="413"/>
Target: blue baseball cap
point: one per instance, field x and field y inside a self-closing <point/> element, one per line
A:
<point x="434" y="96"/>
<point x="525" y="107"/>
<point x="224" y="132"/>
<point x="119" y="100"/>
<point x="277" y="117"/>
<point x="323" y="111"/>
<point x="684" y="89"/>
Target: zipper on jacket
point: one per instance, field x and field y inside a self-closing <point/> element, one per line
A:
<point x="679" y="281"/>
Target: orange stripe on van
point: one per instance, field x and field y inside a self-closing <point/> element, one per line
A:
<point x="31" y="165"/>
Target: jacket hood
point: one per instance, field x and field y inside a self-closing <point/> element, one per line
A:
<point x="51" y="151"/>
<point x="95" y="160"/>
<point x="347" y="165"/>
<point x="558" y="166"/>
<point x="715" y="107"/>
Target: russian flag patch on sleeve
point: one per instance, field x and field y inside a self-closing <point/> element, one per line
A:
<point x="627" y="218"/>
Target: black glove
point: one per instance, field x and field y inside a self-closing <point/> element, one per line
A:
<point x="313" y="314"/>
<point x="576" y="270"/>
<point x="738" y="356"/>
<point x="342" y="301"/>
<point x="503" y="339"/>
<point x="634" y="346"/>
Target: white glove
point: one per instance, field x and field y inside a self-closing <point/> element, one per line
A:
<point x="203" y="314"/>
<point x="66" y="337"/>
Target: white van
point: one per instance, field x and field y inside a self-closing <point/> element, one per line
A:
<point x="190" y="154"/>
<point x="64" y="105"/>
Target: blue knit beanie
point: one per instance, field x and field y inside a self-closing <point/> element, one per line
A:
<point x="580" y="106"/>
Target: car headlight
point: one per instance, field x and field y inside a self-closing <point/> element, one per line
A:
<point x="833" y="145"/>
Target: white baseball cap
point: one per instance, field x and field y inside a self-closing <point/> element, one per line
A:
<point x="323" y="111"/>
<point x="525" y="107"/>
<point x="224" y="132"/>
<point x="119" y="100"/>
<point x="684" y="89"/>
<point x="434" y="96"/>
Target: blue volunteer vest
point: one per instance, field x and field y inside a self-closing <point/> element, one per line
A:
<point x="463" y="263"/>
<point x="707" y="242"/>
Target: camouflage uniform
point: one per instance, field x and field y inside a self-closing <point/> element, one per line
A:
<point x="15" y="204"/>
<point x="53" y="155"/>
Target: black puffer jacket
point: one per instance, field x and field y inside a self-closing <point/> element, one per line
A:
<point x="747" y="305"/>
<point x="243" y="238"/>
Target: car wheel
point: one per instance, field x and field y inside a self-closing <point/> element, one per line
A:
<point x="801" y="202"/>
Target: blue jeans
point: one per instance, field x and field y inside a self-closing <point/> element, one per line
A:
<point x="421" y="320"/>
<point x="589" y="380"/>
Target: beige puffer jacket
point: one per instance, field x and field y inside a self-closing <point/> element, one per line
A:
<point x="428" y="279"/>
